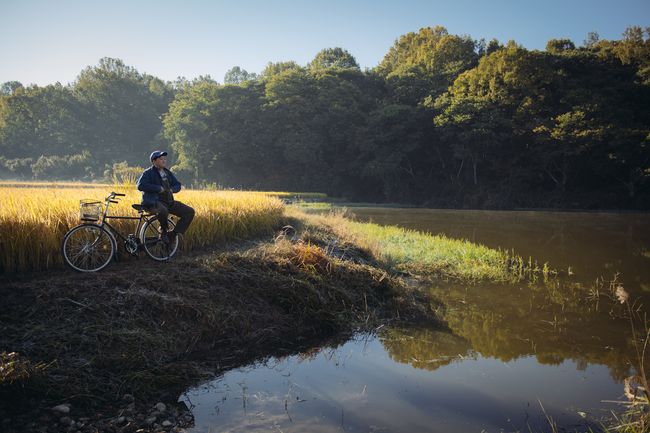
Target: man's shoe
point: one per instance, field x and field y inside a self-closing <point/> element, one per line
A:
<point x="172" y="237"/>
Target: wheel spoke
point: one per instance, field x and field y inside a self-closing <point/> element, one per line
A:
<point x="88" y="248"/>
<point x="152" y="243"/>
<point x="74" y="258"/>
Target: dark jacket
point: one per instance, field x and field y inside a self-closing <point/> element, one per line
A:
<point x="151" y="185"/>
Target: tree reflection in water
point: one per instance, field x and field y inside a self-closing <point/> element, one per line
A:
<point x="553" y="322"/>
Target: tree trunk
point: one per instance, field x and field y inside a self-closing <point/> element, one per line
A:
<point x="460" y="169"/>
<point x="474" y="165"/>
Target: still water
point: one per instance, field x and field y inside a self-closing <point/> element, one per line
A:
<point x="513" y="356"/>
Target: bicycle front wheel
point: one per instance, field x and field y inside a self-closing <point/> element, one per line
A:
<point x="88" y="248"/>
<point x="151" y="242"/>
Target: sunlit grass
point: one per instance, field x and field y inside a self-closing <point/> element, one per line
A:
<point x="34" y="219"/>
<point x="319" y="205"/>
<point x="51" y="184"/>
<point x="410" y="249"/>
<point x="423" y="253"/>
<point x="296" y="195"/>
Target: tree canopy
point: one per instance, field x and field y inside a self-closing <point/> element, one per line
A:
<point x="442" y="120"/>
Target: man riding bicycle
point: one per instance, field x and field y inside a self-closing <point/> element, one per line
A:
<point x="158" y="186"/>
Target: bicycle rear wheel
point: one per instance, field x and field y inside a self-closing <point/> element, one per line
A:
<point x="151" y="242"/>
<point x="88" y="248"/>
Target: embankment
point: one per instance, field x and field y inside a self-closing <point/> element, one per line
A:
<point x="149" y="330"/>
<point x="112" y="344"/>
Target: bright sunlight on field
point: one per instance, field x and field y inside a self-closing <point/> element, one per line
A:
<point x="33" y="220"/>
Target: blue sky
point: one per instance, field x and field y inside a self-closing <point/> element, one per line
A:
<point x="43" y="41"/>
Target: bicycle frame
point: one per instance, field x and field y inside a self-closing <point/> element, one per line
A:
<point x="141" y="218"/>
<point x="82" y="245"/>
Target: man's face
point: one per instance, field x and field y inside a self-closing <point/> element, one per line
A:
<point x="160" y="162"/>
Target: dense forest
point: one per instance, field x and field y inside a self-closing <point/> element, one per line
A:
<point x="443" y="120"/>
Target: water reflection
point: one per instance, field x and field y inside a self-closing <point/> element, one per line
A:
<point x="359" y="387"/>
<point x="507" y="323"/>
<point x="565" y="343"/>
<point x="506" y="349"/>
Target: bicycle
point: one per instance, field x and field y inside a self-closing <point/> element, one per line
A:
<point x="90" y="246"/>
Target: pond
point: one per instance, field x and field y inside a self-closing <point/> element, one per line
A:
<point x="514" y="357"/>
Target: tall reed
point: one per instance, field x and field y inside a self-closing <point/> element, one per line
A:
<point x="636" y="387"/>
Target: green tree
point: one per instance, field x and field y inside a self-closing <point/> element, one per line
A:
<point x="531" y="117"/>
<point x="216" y="132"/>
<point x="431" y="59"/>
<point x="237" y="75"/>
<point x="124" y="109"/>
<point x="76" y="167"/>
<point x="298" y="146"/>
<point x="493" y="46"/>
<point x="333" y="58"/>
<point x="42" y="120"/>
<point x="568" y="138"/>
<point x="634" y="49"/>
<point x="10" y="87"/>
<point x="275" y="68"/>
<point x="511" y="127"/>
<point x="393" y="153"/>
<point x="557" y="46"/>
<point x="484" y="116"/>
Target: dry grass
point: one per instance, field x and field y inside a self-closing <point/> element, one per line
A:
<point x="33" y="220"/>
<point x="636" y="417"/>
<point x="51" y="184"/>
<point x="15" y="368"/>
<point x="157" y="328"/>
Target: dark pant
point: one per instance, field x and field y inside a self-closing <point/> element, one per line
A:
<point x="183" y="211"/>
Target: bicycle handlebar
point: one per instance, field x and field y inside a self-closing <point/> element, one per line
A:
<point x="114" y="194"/>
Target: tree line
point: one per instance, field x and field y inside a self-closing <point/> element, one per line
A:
<point x="442" y="120"/>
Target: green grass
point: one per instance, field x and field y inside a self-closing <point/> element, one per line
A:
<point x="295" y="195"/>
<point x="411" y="250"/>
<point x="422" y="253"/>
<point x="319" y="205"/>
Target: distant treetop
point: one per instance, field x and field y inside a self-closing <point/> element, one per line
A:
<point x="334" y="58"/>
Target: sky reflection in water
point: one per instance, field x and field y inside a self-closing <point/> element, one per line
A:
<point x="358" y="387"/>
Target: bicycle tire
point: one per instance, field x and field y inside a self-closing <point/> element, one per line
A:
<point x="88" y="248"/>
<point x="152" y="245"/>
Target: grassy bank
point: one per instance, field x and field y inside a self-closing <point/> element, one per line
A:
<point x="426" y="254"/>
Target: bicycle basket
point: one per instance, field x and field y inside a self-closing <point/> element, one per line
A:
<point x="90" y="210"/>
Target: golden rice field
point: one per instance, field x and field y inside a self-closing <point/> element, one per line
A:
<point x="34" y="218"/>
<point x="60" y="184"/>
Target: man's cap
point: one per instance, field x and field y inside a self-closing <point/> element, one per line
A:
<point x="157" y="154"/>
